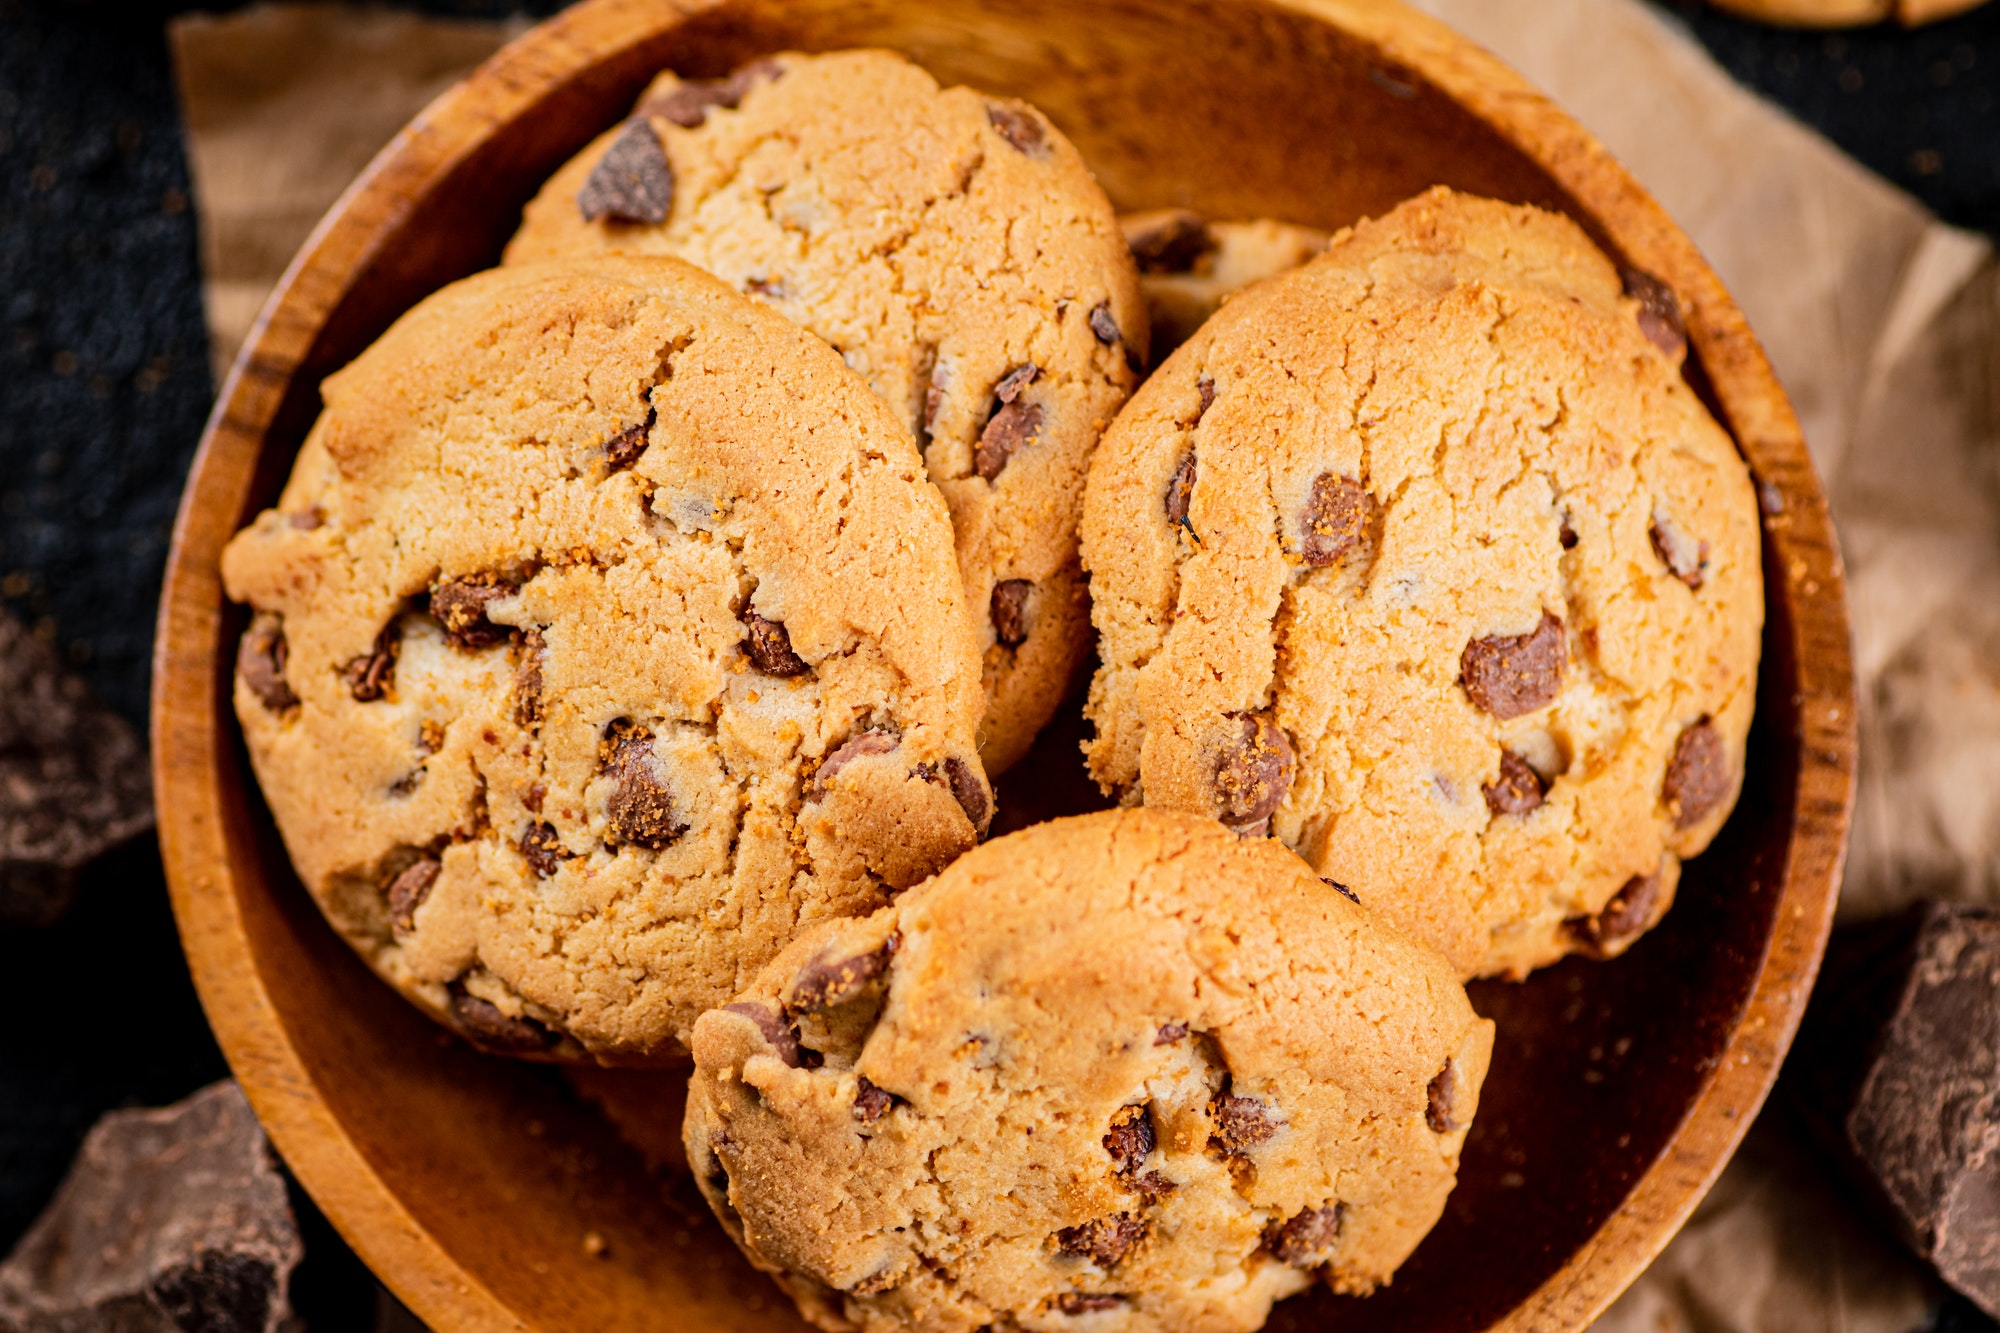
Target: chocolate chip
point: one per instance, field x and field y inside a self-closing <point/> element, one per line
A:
<point x="1170" y="1033"/>
<point x="1697" y="780"/>
<point x="770" y="647"/>
<point x="370" y="676"/>
<point x="1180" y="490"/>
<point x="1152" y="1187"/>
<point x="1010" y="385"/>
<point x="777" y="1033"/>
<point x="1685" y="558"/>
<point x="1205" y="386"/>
<point x="1169" y="241"/>
<point x="307" y="520"/>
<point x="1440" y="1107"/>
<point x="832" y="979"/>
<point x="1509" y="676"/>
<point x="1517" y="791"/>
<point x="528" y="681"/>
<point x="1087" y="1302"/>
<point x="260" y="660"/>
<point x="1342" y="890"/>
<point x="543" y="849"/>
<point x="1304" y="1240"/>
<point x="1240" y="1123"/>
<point x="460" y="606"/>
<point x="1104" y="324"/>
<point x="872" y="1103"/>
<point x="854" y="747"/>
<point x="632" y="182"/>
<point x="1659" y="311"/>
<point x="970" y="793"/>
<point x="640" y="809"/>
<point x="1628" y="915"/>
<point x="485" y="1026"/>
<point x="1105" y="1241"/>
<point x="407" y="892"/>
<point x="623" y="449"/>
<point x="1253" y="769"/>
<point x="1018" y="127"/>
<point x="1009" y="430"/>
<point x="1335" y="519"/>
<point x="1566" y="534"/>
<point x="1010" y="605"/>
<point x="1131" y="1138"/>
<point x="687" y="104"/>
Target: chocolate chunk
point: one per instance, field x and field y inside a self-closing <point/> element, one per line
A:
<point x="970" y="793"/>
<point x="73" y="778"/>
<point x="1131" y="1138"/>
<point x="1169" y="240"/>
<point x="1018" y="127"/>
<point x="1253" y="769"/>
<point x="1170" y="1033"/>
<point x="1566" y="534"/>
<point x="171" y="1219"/>
<point x="1009" y="430"/>
<point x="1659" y="311"/>
<point x="1104" y="324"/>
<point x="528" y="681"/>
<point x="1342" y="890"/>
<point x="777" y="1033"/>
<point x="1305" y="1239"/>
<point x="870" y="1102"/>
<point x="407" y="892"/>
<point x="1517" y="791"/>
<point x="1685" y="558"/>
<point x="632" y="182"/>
<point x="1205" y="386"/>
<point x="687" y="105"/>
<point x="623" y="449"/>
<point x="640" y="809"/>
<point x="1103" y="1240"/>
<point x="1087" y="1302"/>
<point x="1698" y="779"/>
<point x="460" y="606"/>
<point x="1152" y="1187"/>
<point x="1630" y="913"/>
<point x="542" y="847"/>
<point x="1240" y="1123"/>
<point x="833" y="978"/>
<point x="1180" y="490"/>
<point x="260" y="661"/>
<point x="854" y="747"/>
<point x="307" y="520"/>
<point x="1010" y="605"/>
<point x="482" y="1024"/>
<point x="369" y="676"/>
<point x="1335" y="519"/>
<point x="770" y="647"/>
<point x="1441" y="1103"/>
<point x="1509" y="676"/>
<point x="1010" y="385"/>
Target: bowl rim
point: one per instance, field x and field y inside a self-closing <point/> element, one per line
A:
<point x="189" y="734"/>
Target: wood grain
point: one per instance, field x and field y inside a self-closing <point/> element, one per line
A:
<point x="470" y="1184"/>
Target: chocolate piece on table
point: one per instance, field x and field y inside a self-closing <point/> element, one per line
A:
<point x="73" y="779"/>
<point x="169" y="1220"/>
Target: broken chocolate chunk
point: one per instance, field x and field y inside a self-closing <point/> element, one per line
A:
<point x="1240" y="1123"/>
<point x="1335" y="519"/>
<point x="1180" y="490"/>
<point x="623" y="449"/>
<point x="1011" y="429"/>
<point x="369" y="676"/>
<point x="1659" y="311"/>
<point x="1087" y="1302"/>
<point x="640" y="809"/>
<point x="1168" y="240"/>
<point x="1441" y="1101"/>
<point x="871" y="1103"/>
<point x="1304" y="1240"/>
<point x="1170" y="1033"/>
<point x="832" y="978"/>
<point x="542" y="848"/>
<point x="687" y="105"/>
<point x="770" y="647"/>
<point x="1018" y="127"/>
<point x="1511" y="675"/>
<point x="1009" y="610"/>
<point x="1130" y="1139"/>
<point x="1205" y="386"/>
<point x="1517" y="791"/>
<point x="1685" y="558"/>
<point x="483" y="1024"/>
<point x="1010" y="385"/>
<point x="1104" y="324"/>
<point x="460" y="606"/>
<point x="770" y="1021"/>
<point x="1105" y="1241"/>
<point x="970" y="793"/>
<point x="632" y="182"/>
<point x="1630" y="914"/>
<point x="528" y="680"/>
<point x="407" y="892"/>
<point x="1698" y="779"/>
<point x="854" y="747"/>
<point x="171" y="1219"/>
<point x="260" y="661"/>
<point x="1253" y="769"/>
<point x="1342" y="890"/>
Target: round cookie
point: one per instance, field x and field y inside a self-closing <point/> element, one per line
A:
<point x="1424" y="559"/>
<point x="606" y="634"/>
<point x="955" y="249"/>
<point x="1125" y="1066"/>
<point x="1189" y="266"/>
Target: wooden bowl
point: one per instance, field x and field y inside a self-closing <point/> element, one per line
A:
<point x="486" y="1195"/>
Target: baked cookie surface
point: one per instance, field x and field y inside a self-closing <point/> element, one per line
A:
<point x="1424" y="559"/>
<point x="1124" y="1065"/>
<point x="954" y="249"/>
<point x="606" y="634"/>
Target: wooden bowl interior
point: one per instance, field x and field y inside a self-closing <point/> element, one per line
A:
<point x="1236" y="110"/>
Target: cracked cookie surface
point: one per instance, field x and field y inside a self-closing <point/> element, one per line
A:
<point x="606" y="634"/>
<point x="1427" y="547"/>
<point x="955" y="250"/>
<point x="1123" y="1065"/>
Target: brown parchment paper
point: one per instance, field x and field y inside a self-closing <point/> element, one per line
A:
<point x="1884" y="326"/>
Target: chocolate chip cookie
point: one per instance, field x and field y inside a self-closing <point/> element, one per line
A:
<point x="1189" y="266"/>
<point x="1423" y="559"/>
<point x="1125" y="1066"/>
<point x="954" y="248"/>
<point x="606" y="634"/>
